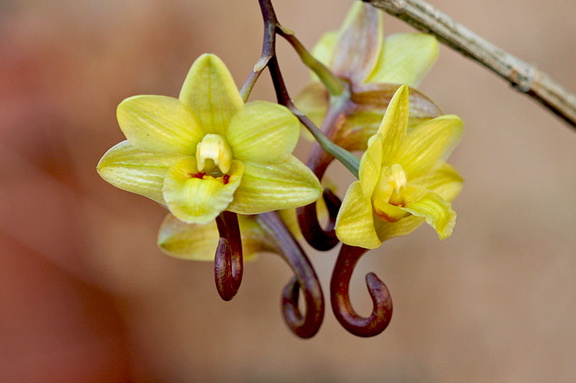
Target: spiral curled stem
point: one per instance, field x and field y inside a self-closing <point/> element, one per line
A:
<point x="305" y="280"/>
<point x="340" y="298"/>
<point x="320" y="238"/>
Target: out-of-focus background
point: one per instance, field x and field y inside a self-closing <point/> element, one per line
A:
<point x="85" y="295"/>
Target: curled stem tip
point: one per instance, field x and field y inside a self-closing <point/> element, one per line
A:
<point x="340" y="299"/>
<point x="228" y="261"/>
<point x="305" y="281"/>
<point x="316" y="236"/>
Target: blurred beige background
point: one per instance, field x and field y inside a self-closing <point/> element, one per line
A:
<point x="86" y="296"/>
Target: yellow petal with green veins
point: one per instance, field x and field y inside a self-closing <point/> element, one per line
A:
<point x="209" y="90"/>
<point x="444" y="181"/>
<point x="159" y="124"/>
<point x="436" y="211"/>
<point x="429" y="144"/>
<point x="133" y="170"/>
<point x="355" y="222"/>
<point x="284" y="185"/>
<point x="195" y="197"/>
<point x="406" y="58"/>
<point x="407" y="225"/>
<point x="313" y="101"/>
<point x="263" y="132"/>
<point x="198" y="242"/>
<point x="371" y="165"/>
<point x="394" y="123"/>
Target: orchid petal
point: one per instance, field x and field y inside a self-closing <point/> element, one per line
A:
<point x="313" y="101"/>
<point x="263" y="132"/>
<point x="359" y="43"/>
<point x="388" y="212"/>
<point x="444" y="181"/>
<point x="284" y="185"/>
<point x="429" y="144"/>
<point x="325" y="47"/>
<point x="355" y="222"/>
<point x="159" y="124"/>
<point x="369" y="103"/>
<point x="198" y="242"/>
<point x="371" y="165"/>
<point x="430" y="206"/>
<point x="209" y="90"/>
<point x="407" y="225"/>
<point x="136" y="171"/>
<point x="199" y="199"/>
<point x="406" y="58"/>
<point x="376" y="98"/>
<point x="394" y="123"/>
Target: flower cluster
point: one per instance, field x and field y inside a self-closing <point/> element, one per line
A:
<point x="225" y="171"/>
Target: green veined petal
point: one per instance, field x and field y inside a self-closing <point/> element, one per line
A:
<point x="355" y="221"/>
<point x="444" y="181"/>
<point x="429" y="144"/>
<point x="209" y="90"/>
<point x="199" y="200"/>
<point x="159" y="124"/>
<point x="136" y="171"/>
<point x="430" y="206"/>
<point x="263" y="132"/>
<point x="394" y="123"/>
<point x="198" y="242"/>
<point x="192" y="241"/>
<point x="405" y="226"/>
<point x="285" y="185"/>
<point x="313" y="101"/>
<point x="371" y="165"/>
<point x="406" y="58"/>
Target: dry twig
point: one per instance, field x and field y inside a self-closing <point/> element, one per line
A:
<point x="523" y="76"/>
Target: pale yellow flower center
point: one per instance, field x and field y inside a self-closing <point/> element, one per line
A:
<point x="214" y="155"/>
<point x="391" y="184"/>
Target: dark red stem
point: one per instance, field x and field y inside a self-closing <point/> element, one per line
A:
<point x="228" y="260"/>
<point x="340" y="298"/>
<point x="305" y="280"/>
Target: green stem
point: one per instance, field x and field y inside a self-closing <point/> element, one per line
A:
<point x="345" y="157"/>
<point x="334" y="85"/>
<point x="249" y="84"/>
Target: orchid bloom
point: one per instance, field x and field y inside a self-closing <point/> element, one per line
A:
<point x="206" y="151"/>
<point x="404" y="179"/>
<point x="373" y="67"/>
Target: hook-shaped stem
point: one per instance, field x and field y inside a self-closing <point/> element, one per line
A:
<point x="305" y="280"/>
<point x="320" y="238"/>
<point x="340" y="298"/>
<point x="228" y="260"/>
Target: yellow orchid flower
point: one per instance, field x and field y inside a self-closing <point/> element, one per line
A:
<point x="373" y="67"/>
<point x="404" y="179"/>
<point x="206" y="151"/>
